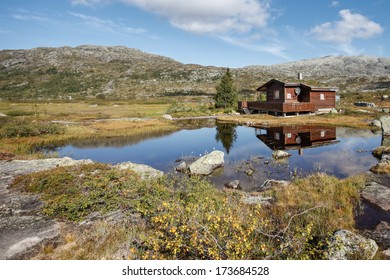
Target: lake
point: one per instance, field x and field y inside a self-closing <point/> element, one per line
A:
<point x="340" y="151"/>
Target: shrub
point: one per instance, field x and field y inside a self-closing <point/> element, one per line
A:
<point x="26" y="129"/>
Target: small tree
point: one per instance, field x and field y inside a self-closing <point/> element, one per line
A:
<point x="226" y="93"/>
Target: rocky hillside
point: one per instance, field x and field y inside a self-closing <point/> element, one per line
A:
<point x="88" y="72"/>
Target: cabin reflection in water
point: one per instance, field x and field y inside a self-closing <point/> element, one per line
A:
<point x="296" y="137"/>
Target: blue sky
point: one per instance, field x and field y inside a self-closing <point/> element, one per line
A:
<point x="229" y="33"/>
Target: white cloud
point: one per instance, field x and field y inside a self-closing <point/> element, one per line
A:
<point x="238" y="22"/>
<point x="203" y="16"/>
<point x="108" y="25"/>
<point x="334" y="3"/>
<point x="351" y="26"/>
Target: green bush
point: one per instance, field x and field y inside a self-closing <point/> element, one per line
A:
<point x="18" y="113"/>
<point x="26" y="129"/>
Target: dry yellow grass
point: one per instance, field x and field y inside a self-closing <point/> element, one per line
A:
<point x="327" y="119"/>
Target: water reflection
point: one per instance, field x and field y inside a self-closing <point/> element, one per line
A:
<point x="296" y="137"/>
<point x="226" y="134"/>
<point x="338" y="151"/>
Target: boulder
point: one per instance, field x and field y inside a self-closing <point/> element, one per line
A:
<point x="385" y="120"/>
<point x="206" y="164"/>
<point x="346" y="245"/>
<point x="280" y="154"/>
<point x="182" y="167"/>
<point x="233" y="185"/>
<point x="378" y="195"/>
<point x="255" y="199"/>
<point x="376" y="123"/>
<point x="333" y="111"/>
<point x="145" y="171"/>
<point x="269" y="184"/>
<point x="168" y="117"/>
<point x="381" y="234"/>
<point x="384" y="97"/>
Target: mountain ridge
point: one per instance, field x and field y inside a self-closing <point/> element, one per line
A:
<point x="119" y="72"/>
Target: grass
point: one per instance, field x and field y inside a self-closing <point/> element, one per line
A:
<point x="361" y="121"/>
<point x="187" y="218"/>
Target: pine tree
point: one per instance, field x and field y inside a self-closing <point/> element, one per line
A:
<point x="226" y="93"/>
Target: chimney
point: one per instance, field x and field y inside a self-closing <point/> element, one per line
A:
<point x="300" y="76"/>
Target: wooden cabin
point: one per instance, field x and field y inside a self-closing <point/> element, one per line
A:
<point x="286" y="98"/>
<point x="296" y="137"/>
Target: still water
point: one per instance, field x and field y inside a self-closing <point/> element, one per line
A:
<point x="341" y="152"/>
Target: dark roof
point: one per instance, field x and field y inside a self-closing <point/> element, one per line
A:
<point x="312" y="88"/>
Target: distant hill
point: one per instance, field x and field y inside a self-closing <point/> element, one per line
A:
<point x="88" y="72"/>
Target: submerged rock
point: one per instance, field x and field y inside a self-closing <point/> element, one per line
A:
<point x="205" y="165"/>
<point x="269" y="184"/>
<point x="182" y="167"/>
<point x="280" y="154"/>
<point x="145" y="171"/>
<point x="233" y="185"/>
<point x="381" y="234"/>
<point x="346" y="245"/>
<point x="378" y="195"/>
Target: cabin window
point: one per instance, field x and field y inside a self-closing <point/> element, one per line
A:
<point x="289" y="96"/>
<point x="322" y="96"/>
<point x="277" y="136"/>
<point x="322" y="133"/>
<point x="289" y="135"/>
<point x="276" y="94"/>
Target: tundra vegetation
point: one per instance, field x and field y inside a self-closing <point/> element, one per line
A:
<point x="188" y="218"/>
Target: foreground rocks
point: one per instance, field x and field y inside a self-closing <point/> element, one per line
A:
<point x="385" y="121"/>
<point x="377" y="195"/>
<point x="145" y="171"/>
<point x="22" y="230"/>
<point x="205" y="165"/>
<point x="347" y="245"/>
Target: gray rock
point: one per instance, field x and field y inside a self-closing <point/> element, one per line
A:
<point x="253" y="199"/>
<point x="269" y="184"/>
<point x="205" y="165"/>
<point x="233" y="185"/>
<point x="22" y="230"/>
<point x="145" y="171"/>
<point x="384" y="97"/>
<point x="385" y="120"/>
<point x="381" y="234"/>
<point x="168" y="117"/>
<point x="18" y="167"/>
<point x="333" y="111"/>
<point x="377" y="194"/>
<point x="2" y="115"/>
<point x="182" y="167"/>
<point x="386" y="110"/>
<point x="280" y="154"/>
<point x="386" y="253"/>
<point x="376" y="123"/>
<point x="346" y="245"/>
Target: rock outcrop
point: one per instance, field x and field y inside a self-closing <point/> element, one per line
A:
<point x="206" y="164"/>
<point x="385" y="120"/>
<point x="22" y="229"/>
<point x="347" y="245"/>
<point x="145" y="171"/>
<point x="378" y="195"/>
